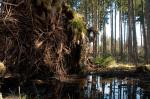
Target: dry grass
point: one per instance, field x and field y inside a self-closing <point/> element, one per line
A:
<point x="118" y="65"/>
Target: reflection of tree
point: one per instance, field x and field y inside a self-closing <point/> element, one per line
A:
<point x="113" y="89"/>
<point x="110" y="94"/>
<point x="94" y="86"/>
<point x="56" y="90"/>
<point x="65" y="91"/>
<point x="119" y="89"/>
<point x="70" y="91"/>
<point x="129" y="90"/>
<point x="103" y="89"/>
<point x="146" y="95"/>
<point x="145" y="85"/>
<point x="134" y="87"/>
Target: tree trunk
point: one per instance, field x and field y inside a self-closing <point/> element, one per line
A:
<point x="104" y="39"/>
<point x="135" y="54"/>
<point x="124" y="34"/>
<point x="129" y="33"/>
<point x="104" y="30"/>
<point x="95" y="27"/>
<point x="141" y="35"/>
<point x="144" y="34"/>
<point x="112" y="34"/>
<point x="115" y="30"/>
<point x="120" y="30"/>
<point x="148" y="27"/>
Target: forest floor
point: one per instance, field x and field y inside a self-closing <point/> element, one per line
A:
<point x="119" y="70"/>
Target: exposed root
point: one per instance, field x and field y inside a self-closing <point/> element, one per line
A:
<point x="36" y="40"/>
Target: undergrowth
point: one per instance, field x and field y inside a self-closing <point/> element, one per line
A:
<point x="104" y="61"/>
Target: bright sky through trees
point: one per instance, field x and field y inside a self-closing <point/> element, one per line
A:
<point x="108" y="29"/>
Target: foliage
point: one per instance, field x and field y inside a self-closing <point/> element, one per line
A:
<point x="78" y="26"/>
<point x="105" y="60"/>
<point x="122" y="58"/>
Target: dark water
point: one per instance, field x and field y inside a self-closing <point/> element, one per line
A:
<point x="91" y="87"/>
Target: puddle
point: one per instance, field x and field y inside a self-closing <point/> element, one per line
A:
<point x="97" y="87"/>
<point x="91" y="87"/>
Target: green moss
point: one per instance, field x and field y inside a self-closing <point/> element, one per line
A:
<point x="105" y="60"/>
<point x="68" y="7"/>
<point x="78" y="26"/>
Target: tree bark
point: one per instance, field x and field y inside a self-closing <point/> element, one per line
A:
<point x="147" y="3"/>
<point x="112" y="34"/>
<point x="135" y="54"/>
<point x="120" y="30"/>
<point x="104" y="31"/>
<point x="144" y="34"/>
<point x="129" y="33"/>
<point x="124" y="33"/>
<point x="115" y="30"/>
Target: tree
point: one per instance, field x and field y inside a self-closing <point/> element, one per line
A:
<point x="129" y="32"/>
<point x="147" y="5"/>
<point x="135" y="54"/>
<point x="104" y="30"/>
<point x="144" y="32"/>
<point x="120" y="30"/>
<point x="115" y="30"/>
<point x="112" y="32"/>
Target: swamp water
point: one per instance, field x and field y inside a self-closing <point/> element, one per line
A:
<point x="91" y="87"/>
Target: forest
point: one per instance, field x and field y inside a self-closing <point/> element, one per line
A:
<point x="74" y="49"/>
<point x="131" y="13"/>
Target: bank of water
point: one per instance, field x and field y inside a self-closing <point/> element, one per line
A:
<point x="90" y="87"/>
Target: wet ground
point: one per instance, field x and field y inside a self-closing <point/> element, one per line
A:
<point x="90" y="87"/>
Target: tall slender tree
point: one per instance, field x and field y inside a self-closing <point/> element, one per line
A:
<point x="144" y="32"/>
<point x="147" y="4"/>
<point x="129" y="33"/>
<point x="115" y="28"/>
<point x="112" y="32"/>
<point x="120" y="29"/>
<point x="104" y="30"/>
<point x="135" y="54"/>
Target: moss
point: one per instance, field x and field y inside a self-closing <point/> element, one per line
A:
<point x="105" y="61"/>
<point x="78" y="26"/>
<point x="47" y="4"/>
<point x="67" y="7"/>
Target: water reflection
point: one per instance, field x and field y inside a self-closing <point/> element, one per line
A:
<point x="92" y="87"/>
<point x="97" y="87"/>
